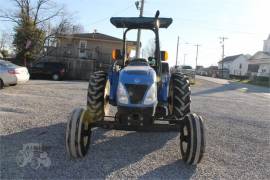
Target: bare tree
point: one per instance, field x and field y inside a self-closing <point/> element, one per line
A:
<point x="38" y="21"/>
<point x="30" y="18"/>
<point x="39" y="12"/>
<point x="149" y="49"/>
<point x="5" y="43"/>
<point x="64" y="26"/>
<point x="3" y="40"/>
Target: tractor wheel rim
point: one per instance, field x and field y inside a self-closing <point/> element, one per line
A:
<point x="106" y="98"/>
<point x="86" y="136"/>
<point x="55" y="77"/>
<point x="185" y="139"/>
<point x="171" y="100"/>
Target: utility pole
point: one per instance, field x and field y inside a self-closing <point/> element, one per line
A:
<point x="222" y="41"/>
<point x="197" y="51"/>
<point x="185" y="59"/>
<point x="176" y="59"/>
<point x="139" y="6"/>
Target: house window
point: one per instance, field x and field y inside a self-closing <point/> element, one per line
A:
<point x="82" y="46"/>
<point x="240" y="66"/>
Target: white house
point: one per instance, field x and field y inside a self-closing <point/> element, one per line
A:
<point x="259" y="64"/>
<point x="266" y="45"/>
<point x="237" y="65"/>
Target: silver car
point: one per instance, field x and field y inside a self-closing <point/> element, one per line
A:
<point x="11" y="74"/>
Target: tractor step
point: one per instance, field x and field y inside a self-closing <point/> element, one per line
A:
<point x="160" y="125"/>
<point x="150" y="128"/>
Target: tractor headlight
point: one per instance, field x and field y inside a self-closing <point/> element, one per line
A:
<point x="151" y="95"/>
<point x="122" y="96"/>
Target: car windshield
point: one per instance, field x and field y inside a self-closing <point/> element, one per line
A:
<point x="186" y="67"/>
<point x="7" y="64"/>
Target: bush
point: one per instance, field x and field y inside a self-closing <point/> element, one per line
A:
<point x="262" y="78"/>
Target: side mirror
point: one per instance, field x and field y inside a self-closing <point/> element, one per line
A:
<point x="151" y="61"/>
<point x="116" y="54"/>
<point x="164" y="55"/>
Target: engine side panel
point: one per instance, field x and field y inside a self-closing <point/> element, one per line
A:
<point x="163" y="91"/>
<point x="113" y="77"/>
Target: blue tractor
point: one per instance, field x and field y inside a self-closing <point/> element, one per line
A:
<point x="146" y="95"/>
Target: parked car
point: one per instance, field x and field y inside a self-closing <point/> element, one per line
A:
<point x="187" y="70"/>
<point x="48" y="70"/>
<point x="11" y="74"/>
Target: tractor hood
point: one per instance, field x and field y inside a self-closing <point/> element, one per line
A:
<point x="138" y="75"/>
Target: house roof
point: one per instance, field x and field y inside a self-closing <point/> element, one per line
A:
<point x="230" y="58"/>
<point x="95" y="36"/>
<point x="260" y="57"/>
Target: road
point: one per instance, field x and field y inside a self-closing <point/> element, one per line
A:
<point x="237" y="128"/>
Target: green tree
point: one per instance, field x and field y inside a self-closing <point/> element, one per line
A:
<point x="4" y="53"/>
<point x="28" y="39"/>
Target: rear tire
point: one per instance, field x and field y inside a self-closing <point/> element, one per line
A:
<point x="192" y="139"/>
<point x="179" y="96"/>
<point x="78" y="134"/>
<point x="55" y="77"/>
<point x="98" y="95"/>
<point x="1" y="84"/>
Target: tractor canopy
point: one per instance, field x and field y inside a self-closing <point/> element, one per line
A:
<point x="140" y="22"/>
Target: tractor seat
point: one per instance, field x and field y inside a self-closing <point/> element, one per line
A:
<point x="138" y="62"/>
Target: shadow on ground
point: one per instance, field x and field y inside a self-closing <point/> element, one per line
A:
<point x="107" y="154"/>
<point x="37" y="82"/>
<point x="232" y="86"/>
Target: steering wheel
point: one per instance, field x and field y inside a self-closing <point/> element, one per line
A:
<point x="138" y="61"/>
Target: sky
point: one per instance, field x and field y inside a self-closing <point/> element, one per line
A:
<point x="244" y="22"/>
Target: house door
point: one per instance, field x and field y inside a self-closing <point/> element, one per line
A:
<point x="82" y="49"/>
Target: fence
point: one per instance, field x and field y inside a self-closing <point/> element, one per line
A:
<point x="78" y="67"/>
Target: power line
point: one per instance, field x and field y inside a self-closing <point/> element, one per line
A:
<point x="220" y="29"/>
<point x="108" y="17"/>
<point x="203" y="21"/>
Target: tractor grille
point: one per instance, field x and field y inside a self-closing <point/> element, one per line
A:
<point x="136" y="92"/>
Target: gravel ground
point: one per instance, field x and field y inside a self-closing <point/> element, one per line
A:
<point x="237" y="123"/>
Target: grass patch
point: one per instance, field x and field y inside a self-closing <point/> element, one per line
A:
<point x="258" y="83"/>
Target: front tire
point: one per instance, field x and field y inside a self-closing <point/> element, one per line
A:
<point x="78" y="134"/>
<point x="179" y="96"/>
<point x="98" y="95"/>
<point x="192" y="139"/>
